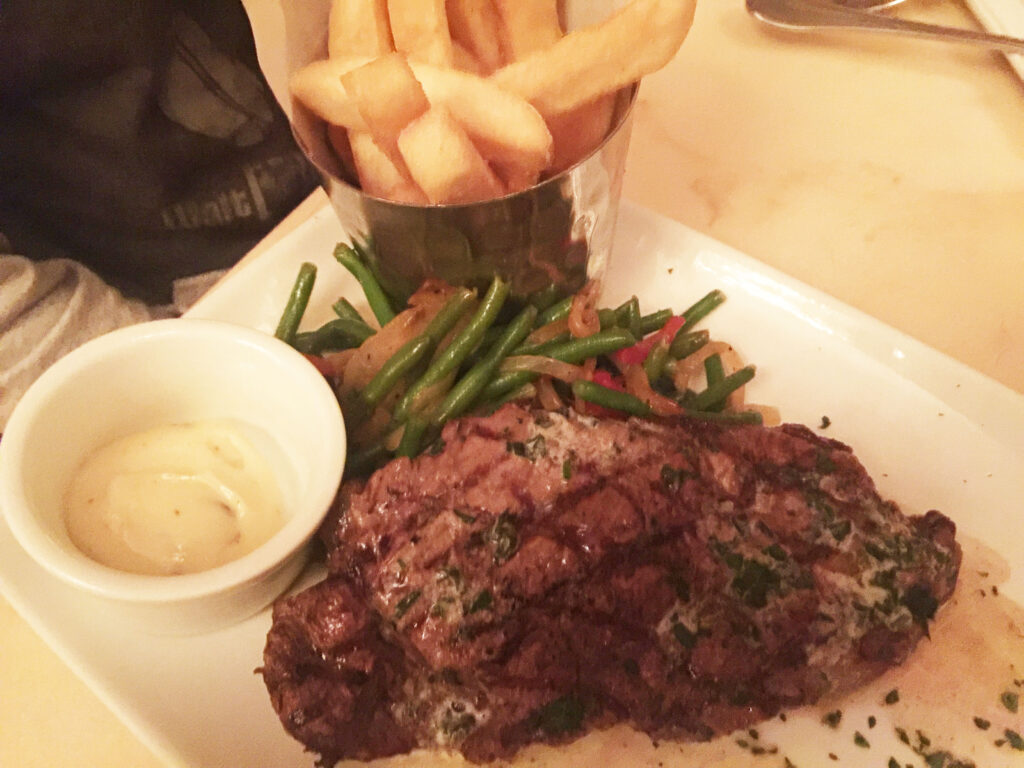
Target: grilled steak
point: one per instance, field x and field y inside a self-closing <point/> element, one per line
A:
<point x="541" y="574"/>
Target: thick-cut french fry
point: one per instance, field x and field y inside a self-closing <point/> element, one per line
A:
<point x="379" y="174"/>
<point x="358" y="28"/>
<point x="475" y="25"/>
<point x="337" y="136"/>
<point x="528" y="26"/>
<point x="318" y="86"/>
<point x="444" y="162"/>
<point x="636" y="40"/>
<point x="466" y="61"/>
<point x="579" y="131"/>
<point x="419" y="29"/>
<point x="504" y="127"/>
<point x="388" y="96"/>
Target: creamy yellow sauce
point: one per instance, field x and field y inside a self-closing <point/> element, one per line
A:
<point x="173" y="499"/>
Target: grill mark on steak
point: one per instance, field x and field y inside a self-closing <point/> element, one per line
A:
<point x="544" y="574"/>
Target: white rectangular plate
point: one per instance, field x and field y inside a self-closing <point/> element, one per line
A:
<point x="934" y="434"/>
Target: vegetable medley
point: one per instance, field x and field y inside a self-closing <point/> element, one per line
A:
<point x="448" y="352"/>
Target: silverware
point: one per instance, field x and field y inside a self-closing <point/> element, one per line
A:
<point x="820" y="14"/>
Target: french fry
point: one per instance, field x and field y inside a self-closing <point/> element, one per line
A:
<point x="318" y="86"/>
<point x="527" y="26"/>
<point x="475" y="25"/>
<point x="444" y="162"/>
<point x="419" y="29"/>
<point x="504" y="127"/>
<point x="379" y="174"/>
<point x="636" y="40"/>
<point x="388" y="96"/>
<point x="466" y="61"/>
<point x="579" y="131"/>
<point x="337" y="136"/>
<point x="358" y="28"/>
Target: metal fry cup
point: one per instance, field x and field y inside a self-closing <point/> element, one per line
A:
<point x="557" y="233"/>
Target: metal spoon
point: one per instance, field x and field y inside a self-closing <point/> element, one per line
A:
<point x="818" y="14"/>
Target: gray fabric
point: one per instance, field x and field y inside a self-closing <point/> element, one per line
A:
<point x="47" y="309"/>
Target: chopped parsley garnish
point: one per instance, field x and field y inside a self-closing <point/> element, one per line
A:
<point x="481" y="602"/>
<point x="464" y="516"/>
<point x="1010" y="700"/>
<point x="826" y="422"/>
<point x="832" y="719"/>
<point x="455" y="723"/>
<point x="920" y="602"/>
<point x="982" y="723"/>
<point x="860" y="741"/>
<point x="406" y="603"/>
<point x="567" y="469"/>
<point x="679" y="585"/>
<point x="531" y="449"/>
<point x="753" y="581"/>
<point x="892" y="696"/>
<point x="504" y="536"/>
<point x="685" y="637"/>
<point x="1014" y="739"/>
<point x="672" y="477"/>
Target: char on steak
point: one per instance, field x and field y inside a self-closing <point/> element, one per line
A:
<point x="540" y="574"/>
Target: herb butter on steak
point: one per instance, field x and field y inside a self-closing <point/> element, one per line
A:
<point x="537" y="575"/>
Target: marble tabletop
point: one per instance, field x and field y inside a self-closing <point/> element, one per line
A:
<point x="887" y="172"/>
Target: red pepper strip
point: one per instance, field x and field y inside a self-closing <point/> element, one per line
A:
<point x="637" y="354"/>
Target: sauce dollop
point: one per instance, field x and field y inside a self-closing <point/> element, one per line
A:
<point x="174" y="499"/>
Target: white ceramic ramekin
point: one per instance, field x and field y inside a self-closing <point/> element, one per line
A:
<point x="174" y="371"/>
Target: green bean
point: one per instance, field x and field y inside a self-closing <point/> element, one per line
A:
<point x="340" y="333"/>
<point x="412" y="436"/>
<point x="685" y="344"/>
<point x="506" y="382"/>
<point x="574" y="351"/>
<point x="540" y="347"/>
<point x="607" y="318"/>
<point x="715" y="394"/>
<point x="557" y="311"/>
<point x="363" y="461"/>
<point x="654" y="365"/>
<point x="728" y="417"/>
<point x="460" y="348"/>
<point x="703" y="307"/>
<point x="610" y="398"/>
<point x="713" y="369"/>
<point x="525" y="391"/>
<point x="466" y="390"/>
<point x="408" y="356"/>
<point x="343" y="308"/>
<point x="627" y="315"/>
<point x="379" y="303"/>
<point x="417" y="349"/>
<point x="654" y="321"/>
<point x="545" y="297"/>
<point x="297" y="302"/>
